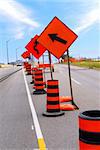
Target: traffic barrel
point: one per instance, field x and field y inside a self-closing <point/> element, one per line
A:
<point x="89" y="130"/>
<point x="38" y="82"/>
<point x="53" y="104"/>
<point x="28" y="69"/>
<point x="25" y="64"/>
<point x="44" y="83"/>
<point x="32" y="72"/>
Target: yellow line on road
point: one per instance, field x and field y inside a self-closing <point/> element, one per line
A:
<point x="41" y="144"/>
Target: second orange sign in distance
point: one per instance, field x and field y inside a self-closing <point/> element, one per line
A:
<point x="35" y="48"/>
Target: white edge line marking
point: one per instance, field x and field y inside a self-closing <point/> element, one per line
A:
<point x="34" y="115"/>
<point x="76" y="81"/>
<point x="71" y="78"/>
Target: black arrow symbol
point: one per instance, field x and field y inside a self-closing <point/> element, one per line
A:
<point x="36" y="43"/>
<point x="54" y="37"/>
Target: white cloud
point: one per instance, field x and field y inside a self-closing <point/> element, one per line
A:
<point x="88" y="20"/>
<point x="17" y="12"/>
<point x="18" y="15"/>
<point x="19" y="32"/>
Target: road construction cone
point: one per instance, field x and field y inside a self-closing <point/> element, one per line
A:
<point x="89" y="130"/>
<point x="65" y="99"/>
<point x="38" y="82"/>
<point x="67" y="107"/>
<point x="28" y="69"/>
<point x="53" y="104"/>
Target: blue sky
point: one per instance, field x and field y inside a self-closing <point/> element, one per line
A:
<point x="20" y="20"/>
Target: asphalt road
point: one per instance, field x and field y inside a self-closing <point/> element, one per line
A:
<point x="15" y="116"/>
<point x="60" y="133"/>
<point x="86" y="86"/>
<point x="8" y="70"/>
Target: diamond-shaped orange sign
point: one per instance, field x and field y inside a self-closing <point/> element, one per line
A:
<point x="26" y="54"/>
<point x="57" y="37"/>
<point x="35" y="48"/>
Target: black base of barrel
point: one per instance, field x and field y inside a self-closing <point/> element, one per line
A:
<point x="45" y="86"/>
<point x="28" y="74"/>
<point x="53" y="114"/>
<point x="32" y="82"/>
<point x="38" y="92"/>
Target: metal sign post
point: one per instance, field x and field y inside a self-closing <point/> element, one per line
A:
<point x="73" y="103"/>
<point x="50" y="65"/>
<point x="43" y="68"/>
<point x="38" y="62"/>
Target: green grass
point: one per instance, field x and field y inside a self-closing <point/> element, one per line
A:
<point x="88" y="64"/>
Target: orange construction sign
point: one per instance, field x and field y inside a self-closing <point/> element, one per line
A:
<point x="26" y="54"/>
<point x="35" y="48"/>
<point x="57" y="37"/>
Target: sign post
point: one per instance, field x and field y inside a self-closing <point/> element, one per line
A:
<point x="70" y="81"/>
<point x="50" y="65"/>
<point x="43" y="68"/>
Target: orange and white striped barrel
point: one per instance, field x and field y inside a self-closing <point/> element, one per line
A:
<point x="38" y="82"/>
<point x="25" y="64"/>
<point x="32" y="72"/>
<point x="53" y="104"/>
<point x="89" y="130"/>
<point x="28" y="69"/>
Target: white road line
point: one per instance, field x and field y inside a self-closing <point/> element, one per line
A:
<point x="32" y="127"/>
<point x="40" y="138"/>
<point x="62" y="71"/>
<point x="76" y="81"/>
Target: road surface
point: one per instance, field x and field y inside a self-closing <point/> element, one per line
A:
<point x="17" y="129"/>
<point x="4" y="72"/>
